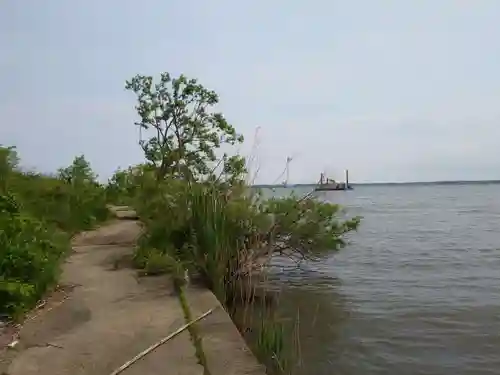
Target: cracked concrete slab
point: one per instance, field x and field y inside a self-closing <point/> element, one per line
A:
<point x="110" y="315"/>
<point x="108" y="318"/>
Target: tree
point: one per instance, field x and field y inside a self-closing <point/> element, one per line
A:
<point x="306" y="228"/>
<point x="186" y="135"/>
<point x="124" y="184"/>
<point x="186" y="132"/>
<point x="79" y="171"/>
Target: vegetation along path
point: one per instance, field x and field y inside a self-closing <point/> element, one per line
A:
<point x="111" y="315"/>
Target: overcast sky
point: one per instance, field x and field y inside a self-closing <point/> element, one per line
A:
<point x="393" y="90"/>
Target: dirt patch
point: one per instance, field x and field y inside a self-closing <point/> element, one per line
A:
<point x="9" y="331"/>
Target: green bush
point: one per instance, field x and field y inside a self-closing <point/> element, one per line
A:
<point x="124" y="185"/>
<point x="70" y="207"/>
<point x="206" y="225"/>
<point x="222" y="233"/>
<point x="29" y="257"/>
<point x="38" y="214"/>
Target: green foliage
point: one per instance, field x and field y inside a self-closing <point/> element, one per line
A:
<point x="155" y="262"/>
<point x="197" y="212"/>
<point x="38" y="213"/>
<point x="306" y="227"/>
<point x="117" y="189"/>
<point x="29" y="260"/>
<point x="223" y="233"/>
<point x="72" y="202"/>
<point x="124" y="185"/>
<point x="271" y="346"/>
<point x="79" y="172"/>
<point x="185" y="131"/>
<point x="154" y="204"/>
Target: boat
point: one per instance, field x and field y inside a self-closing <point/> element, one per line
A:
<point x="327" y="184"/>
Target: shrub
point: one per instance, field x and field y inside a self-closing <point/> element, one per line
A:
<point x="222" y="234"/>
<point x="38" y="213"/>
<point x="72" y="200"/>
<point x="29" y="260"/>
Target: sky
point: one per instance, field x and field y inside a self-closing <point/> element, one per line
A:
<point x="392" y="90"/>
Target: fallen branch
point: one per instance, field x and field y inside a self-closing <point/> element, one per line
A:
<point x="159" y="343"/>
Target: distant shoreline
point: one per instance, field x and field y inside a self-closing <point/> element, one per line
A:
<point x="419" y="183"/>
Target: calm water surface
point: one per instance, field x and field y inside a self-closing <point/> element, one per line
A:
<point x="417" y="291"/>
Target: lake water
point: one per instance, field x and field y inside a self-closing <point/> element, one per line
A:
<point x="416" y="292"/>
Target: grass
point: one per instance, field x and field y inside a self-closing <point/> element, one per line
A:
<point x="192" y="329"/>
<point x="218" y="233"/>
<point x="221" y="255"/>
<point x="212" y="244"/>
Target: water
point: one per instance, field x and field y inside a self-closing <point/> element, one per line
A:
<point x="417" y="291"/>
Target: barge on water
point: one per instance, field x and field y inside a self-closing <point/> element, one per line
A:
<point x="327" y="184"/>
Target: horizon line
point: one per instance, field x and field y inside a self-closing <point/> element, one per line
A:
<point x="437" y="182"/>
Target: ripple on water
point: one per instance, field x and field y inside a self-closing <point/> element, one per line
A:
<point x="417" y="292"/>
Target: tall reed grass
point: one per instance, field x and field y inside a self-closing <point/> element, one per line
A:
<point x="219" y="237"/>
<point x="222" y="253"/>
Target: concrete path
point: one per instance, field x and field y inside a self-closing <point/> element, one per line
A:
<point x="110" y="315"/>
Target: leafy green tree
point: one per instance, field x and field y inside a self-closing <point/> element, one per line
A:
<point x="86" y="199"/>
<point x="306" y="228"/>
<point x="185" y="136"/>
<point x="79" y="171"/>
<point x="124" y="183"/>
<point x="186" y="132"/>
<point x="198" y="214"/>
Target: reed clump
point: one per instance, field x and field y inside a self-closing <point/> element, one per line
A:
<point x="222" y="236"/>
